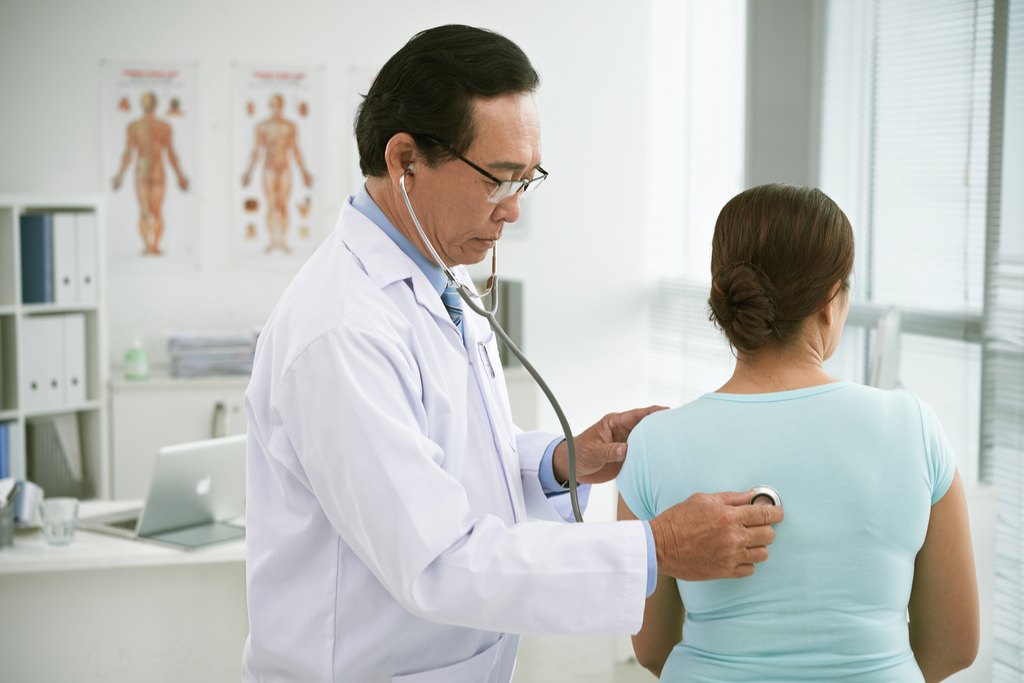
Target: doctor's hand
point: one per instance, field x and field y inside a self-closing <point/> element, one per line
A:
<point x="716" y="536"/>
<point x="601" y="449"/>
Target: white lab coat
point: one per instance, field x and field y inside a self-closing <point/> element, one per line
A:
<point x="388" y="490"/>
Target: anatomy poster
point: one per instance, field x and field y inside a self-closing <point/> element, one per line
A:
<point x="150" y="162"/>
<point x="278" y="166"/>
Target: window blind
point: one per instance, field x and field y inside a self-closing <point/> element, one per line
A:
<point x="1002" y="422"/>
<point x="904" y="151"/>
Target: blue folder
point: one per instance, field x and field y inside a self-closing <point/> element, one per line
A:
<point x="5" y="456"/>
<point x="37" y="258"/>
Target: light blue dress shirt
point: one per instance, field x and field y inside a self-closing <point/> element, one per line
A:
<point x="364" y="204"/>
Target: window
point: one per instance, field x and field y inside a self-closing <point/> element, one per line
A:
<point x="696" y="137"/>
<point x="1002" y="405"/>
<point x="923" y="145"/>
<point x="904" y="151"/>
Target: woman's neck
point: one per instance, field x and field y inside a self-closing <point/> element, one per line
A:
<point x="776" y="368"/>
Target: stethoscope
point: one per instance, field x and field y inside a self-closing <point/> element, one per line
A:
<point x="763" y="495"/>
<point x="469" y="296"/>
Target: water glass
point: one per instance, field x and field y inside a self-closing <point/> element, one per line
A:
<point x="59" y="518"/>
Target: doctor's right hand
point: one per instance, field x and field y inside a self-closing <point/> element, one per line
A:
<point x="716" y="536"/>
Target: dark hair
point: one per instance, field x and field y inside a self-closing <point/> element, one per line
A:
<point x="428" y="86"/>
<point x="777" y="252"/>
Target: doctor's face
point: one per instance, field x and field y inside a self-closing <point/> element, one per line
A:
<point x="451" y="198"/>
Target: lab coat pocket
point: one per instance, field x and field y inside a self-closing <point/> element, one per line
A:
<point x="492" y="378"/>
<point x="477" y="669"/>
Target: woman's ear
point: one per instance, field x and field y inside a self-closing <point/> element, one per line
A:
<point x="830" y="309"/>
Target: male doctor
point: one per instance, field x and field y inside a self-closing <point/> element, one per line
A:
<point x="387" y="488"/>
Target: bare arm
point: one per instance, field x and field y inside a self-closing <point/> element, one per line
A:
<point x="306" y="178"/>
<point x="663" y="618"/>
<point x="173" y="158"/>
<point x="126" y="158"/>
<point x="255" y="156"/>
<point x="944" y="618"/>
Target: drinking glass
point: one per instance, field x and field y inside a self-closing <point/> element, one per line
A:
<point x="59" y="518"/>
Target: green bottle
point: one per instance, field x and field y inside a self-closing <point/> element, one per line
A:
<point x="136" y="362"/>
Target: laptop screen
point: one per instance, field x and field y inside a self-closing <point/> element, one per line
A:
<point x="196" y="483"/>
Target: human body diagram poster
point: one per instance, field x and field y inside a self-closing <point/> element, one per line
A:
<point x="278" y="156"/>
<point x="150" y="162"/>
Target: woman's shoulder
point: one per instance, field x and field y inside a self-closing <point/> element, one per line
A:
<point x="697" y="411"/>
<point x="847" y="398"/>
<point x="883" y="399"/>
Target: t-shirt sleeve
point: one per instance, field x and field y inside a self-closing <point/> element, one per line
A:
<point x="939" y="455"/>
<point x="634" y="480"/>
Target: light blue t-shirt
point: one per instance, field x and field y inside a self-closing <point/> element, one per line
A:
<point x="857" y="470"/>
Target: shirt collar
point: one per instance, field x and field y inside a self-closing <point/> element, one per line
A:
<point x="364" y="204"/>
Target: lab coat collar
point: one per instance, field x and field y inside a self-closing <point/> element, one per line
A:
<point x="365" y="204"/>
<point x="385" y="263"/>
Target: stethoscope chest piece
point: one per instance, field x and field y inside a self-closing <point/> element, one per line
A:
<point x="765" y="495"/>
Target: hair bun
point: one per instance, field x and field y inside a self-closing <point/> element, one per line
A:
<point x="778" y="253"/>
<point x="742" y="305"/>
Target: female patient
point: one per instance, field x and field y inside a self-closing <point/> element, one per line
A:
<point x="876" y="519"/>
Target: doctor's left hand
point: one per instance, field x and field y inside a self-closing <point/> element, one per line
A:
<point x="600" y="449"/>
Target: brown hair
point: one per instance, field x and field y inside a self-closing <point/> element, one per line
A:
<point x="777" y="251"/>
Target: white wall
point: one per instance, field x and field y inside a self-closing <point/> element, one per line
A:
<point x="784" y="54"/>
<point x="581" y="261"/>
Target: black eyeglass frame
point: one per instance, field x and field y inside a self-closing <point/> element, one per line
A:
<point x="524" y="183"/>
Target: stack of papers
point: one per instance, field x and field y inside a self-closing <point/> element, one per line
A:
<point x="206" y="354"/>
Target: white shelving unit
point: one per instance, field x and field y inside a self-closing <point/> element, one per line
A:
<point x="92" y="413"/>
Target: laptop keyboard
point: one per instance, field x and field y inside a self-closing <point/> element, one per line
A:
<point x="198" y="536"/>
<point x="126" y="524"/>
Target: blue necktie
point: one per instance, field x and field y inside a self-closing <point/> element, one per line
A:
<point x="453" y="303"/>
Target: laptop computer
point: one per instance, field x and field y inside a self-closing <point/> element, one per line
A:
<point x="196" y="488"/>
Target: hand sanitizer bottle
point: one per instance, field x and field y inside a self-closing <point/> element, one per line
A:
<point x="136" y="361"/>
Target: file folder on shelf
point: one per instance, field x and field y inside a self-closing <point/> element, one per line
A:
<point x="74" y="359"/>
<point x="86" y="234"/>
<point x="54" y="361"/>
<point x="42" y="385"/>
<point x="5" y="452"/>
<point x="65" y="258"/>
<point x="37" y="258"/>
<point x="53" y="458"/>
<point x="58" y="258"/>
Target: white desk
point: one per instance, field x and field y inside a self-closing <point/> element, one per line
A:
<point x="115" y="610"/>
<point x="106" y="608"/>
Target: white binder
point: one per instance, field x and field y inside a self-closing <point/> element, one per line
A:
<point x="74" y="359"/>
<point x="65" y="258"/>
<point x="42" y="380"/>
<point x="86" y="257"/>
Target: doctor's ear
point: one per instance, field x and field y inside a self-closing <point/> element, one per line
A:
<point x="400" y="155"/>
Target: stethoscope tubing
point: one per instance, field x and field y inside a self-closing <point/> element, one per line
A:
<point x="467" y="296"/>
<point x="569" y="441"/>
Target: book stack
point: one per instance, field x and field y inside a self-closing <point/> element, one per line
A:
<point x="207" y="354"/>
<point x="58" y="258"/>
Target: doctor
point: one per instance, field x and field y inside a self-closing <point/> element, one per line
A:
<point x="387" y="487"/>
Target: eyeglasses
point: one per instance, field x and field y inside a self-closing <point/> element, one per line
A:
<point x="505" y="188"/>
